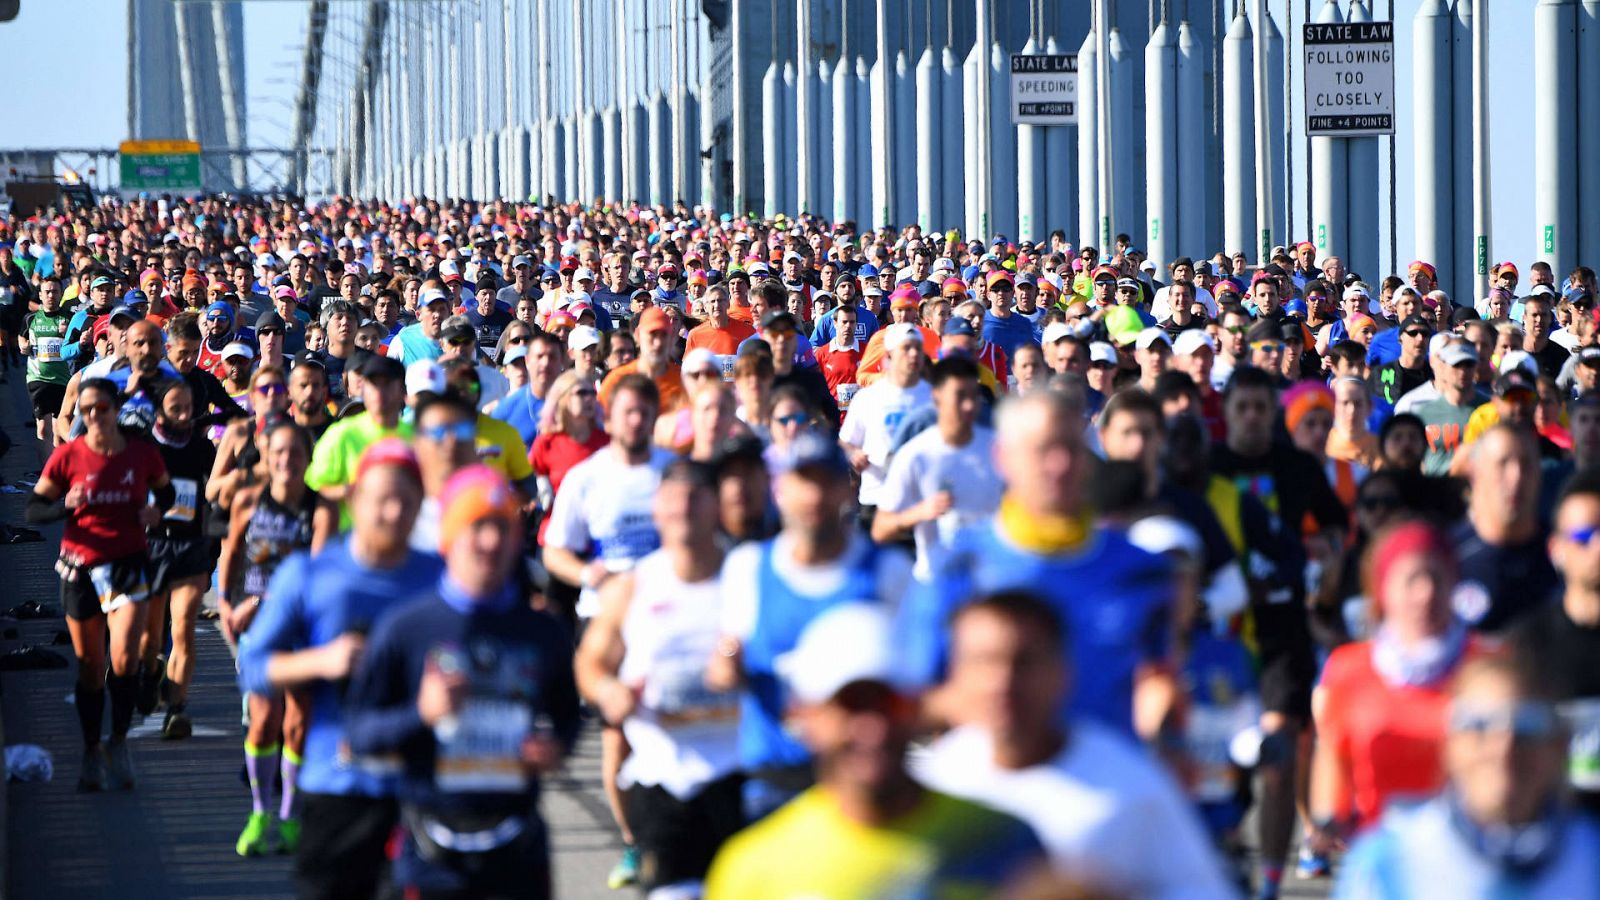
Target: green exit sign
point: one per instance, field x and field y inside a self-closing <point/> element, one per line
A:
<point x="172" y="166"/>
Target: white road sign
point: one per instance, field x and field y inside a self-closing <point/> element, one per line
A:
<point x="1349" y="77"/>
<point x="1044" y="89"/>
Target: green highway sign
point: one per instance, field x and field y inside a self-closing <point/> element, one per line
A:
<point x="160" y="166"/>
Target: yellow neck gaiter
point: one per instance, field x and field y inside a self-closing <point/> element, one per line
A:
<point x="1043" y="534"/>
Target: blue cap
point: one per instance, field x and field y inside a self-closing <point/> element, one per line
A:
<point x="101" y="281"/>
<point x="220" y="307"/>
<point x="959" y="327"/>
<point x="135" y="297"/>
<point x="126" y="312"/>
<point x="1295" y="307"/>
<point x="969" y="274"/>
<point x="868" y="271"/>
<point x="811" y="450"/>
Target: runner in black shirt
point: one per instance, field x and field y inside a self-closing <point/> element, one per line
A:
<point x="181" y="558"/>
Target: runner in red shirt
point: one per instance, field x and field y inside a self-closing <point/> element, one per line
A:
<point x="840" y="357"/>
<point x="100" y="484"/>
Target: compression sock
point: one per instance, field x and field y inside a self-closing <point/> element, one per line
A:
<point x="124" y="691"/>
<point x="288" y="778"/>
<point x="91" y="704"/>
<point x="259" y="764"/>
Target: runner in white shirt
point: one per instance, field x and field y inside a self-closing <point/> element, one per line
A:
<point x="944" y="478"/>
<point x="1108" y="814"/>
<point x="877" y="410"/>
<point x="601" y="526"/>
<point x="643" y="663"/>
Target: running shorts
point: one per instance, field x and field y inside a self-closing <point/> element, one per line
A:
<point x="171" y="561"/>
<point x="92" y="591"/>
<point x="677" y="839"/>
<point x="46" y="399"/>
<point x="1288" y="660"/>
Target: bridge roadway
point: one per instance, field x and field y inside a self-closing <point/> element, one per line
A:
<point x="172" y="837"/>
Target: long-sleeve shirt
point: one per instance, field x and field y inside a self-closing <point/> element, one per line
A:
<point x="310" y="601"/>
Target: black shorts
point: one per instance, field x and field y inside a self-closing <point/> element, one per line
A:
<point x="11" y="318"/>
<point x="1288" y="662"/>
<point x="46" y="398"/>
<point x="84" y="596"/>
<point x="343" y="845"/>
<point x="677" y="839"/>
<point x="171" y="561"/>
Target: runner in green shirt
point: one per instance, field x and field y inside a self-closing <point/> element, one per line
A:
<point x="333" y="463"/>
<point x="41" y="339"/>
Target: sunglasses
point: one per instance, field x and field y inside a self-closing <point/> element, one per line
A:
<point x="1267" y="347"/>
<point x="459" y="341"/>
<point x="461" y="431"/>
<point x="874" y="697"/>
<point x="792" y="419"/>
<point x="274" y="389"/>
<point x="1581" y="536"/>
<point x="516" y="341"/>
<point x="264" y="332"/>
<point x="1524" y="721"/>
<point x="1235" y="329"/>
<point x="1415" y="332"/>
<point x="1001" y="289"/>
<point x="586" y="392"/>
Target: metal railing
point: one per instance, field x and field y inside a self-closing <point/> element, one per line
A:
<point x="266" y="170"/>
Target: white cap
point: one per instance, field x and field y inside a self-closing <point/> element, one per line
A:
<point x="1439" y="341"/>
<point x="583" y="336"/>
<point x="900" y="334"/>
<point x="1055" y="331"/>
<point x="700" y="358"/>
<point x="240" y="350"/>
<point x="1542" y="289"/>
<point x="1150" y="337"/>
<point x="1519" y="359"/>
<point x="431" y="295"/>
<point x="514" y="354"/>
<point x="1102" y="352"/>
<point x="448" y="267"/>
<point x="583" y="275"/>
<point x="1357" y="290"/>
<point x="424" y="376"/>
<point x="944" y="264"/>
<point x="574" y="298"/>
<point x="1191" y="340"/>
<point x="1166" y="534"/>
<point x="849" y="643"/>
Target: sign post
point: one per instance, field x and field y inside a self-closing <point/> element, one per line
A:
<point x="1044" y="89"/>
<point x="1349" y="78"/>
<point x="165" y="166"/>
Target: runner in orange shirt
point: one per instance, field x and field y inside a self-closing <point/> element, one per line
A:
<point x="720" y="333"/>
<point x="652" y="332"/>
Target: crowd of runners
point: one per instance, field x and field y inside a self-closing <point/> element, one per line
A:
<point x="885" y="563"/>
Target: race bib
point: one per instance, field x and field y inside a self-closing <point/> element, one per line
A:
<point x="187" y="491"/>
<point x="677" y="692"/>
<point x="47" y="349"/>
<point x="483" y="753"/>
<point x="725" y="362"/>
<point x="1211" y="731"/>
<point x="846" y="393"/>
<point x="1583" y="756"/>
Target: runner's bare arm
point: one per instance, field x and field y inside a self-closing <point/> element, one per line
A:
<point x="324" y="525"/>
<point x="599" y="656"/>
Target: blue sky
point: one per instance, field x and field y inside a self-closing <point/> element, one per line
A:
<point x="85" y="105"/>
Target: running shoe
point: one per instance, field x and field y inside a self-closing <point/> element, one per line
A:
<point x="92" y="777"/>
<point x="177" y="725"/>
<point x="253" y="839"/>
<point x="1311" y="864"/>
<point x="626" y="871"/>
<point x="288" y="835"/>
<point x="119" y="765"/>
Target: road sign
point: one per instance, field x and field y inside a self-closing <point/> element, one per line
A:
<point x="1044" y="89"/>
<point x="160" y="166"/>
<point x="1349" y="77"/>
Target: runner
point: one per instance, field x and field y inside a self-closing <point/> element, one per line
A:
<point x="473" y="691"/>
<point x="271" y="520"/>
<point x="42" y="336"/>
<point x="100" y="484"/>
<point x="642" y="663"/>
<point x="182" y="558"/>
<point x="307" y="634"/>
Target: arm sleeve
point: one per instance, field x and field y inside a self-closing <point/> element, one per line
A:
<point x="278" y="627"/>
<point x="70" y="348"/>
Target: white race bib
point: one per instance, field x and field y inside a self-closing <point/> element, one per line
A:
<point x="47" y="349"/>
<point x="186" y="491"/>
<point x="483" y="753"/>
<point x="676" y="691"/>
<point x="846" y="393"/>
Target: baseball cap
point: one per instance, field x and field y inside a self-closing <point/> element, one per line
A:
<point x="513" y="354"/>
<point x="849" y="643"/>
<point x="1514" y="380"/>
<point x="1053" y="332"/>
<point x="738" y="449"/>
<point x="907" y="333"/>
<point x="457" y="327"/>
<point x="700" y="359"/>
<point x="1519" y="359"/>
<point x="1264" y="330"/>
<point x="376" y="366"/>
<point x="1150" y="337"/>
<point x="448" y="270"/>
<point x="1102" y="352"/>
<point x="238" y="349"/>
<point x="518" y="262"/>
<point x="101" y="281"/>
<point x="124" y="312"/>
<point x="1127" y="284"/>
<point x="136" y="297"/>
<point x="425" y="376"/>
<point x="998" y="276"/>
<point x="811" y="450"/>
<point x="1589" y="356"/>
<point x="1418" y="321"/>
<point x="957" y="327"/>
<point x="1458" y="352"/>
<point x="432" y="296"/>
<point x="779" y="320"/>
<point x="583" y="275"/>
<point x="583" y="336"/>
<point x="654" y="319"/>
<point x="1191" y="340"/>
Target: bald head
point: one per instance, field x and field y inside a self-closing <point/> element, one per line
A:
<point x="1040" y="451"/>
<point x="144" y="346"/>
